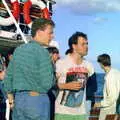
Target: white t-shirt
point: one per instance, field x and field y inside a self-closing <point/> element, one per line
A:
<point x="67" y="69"/>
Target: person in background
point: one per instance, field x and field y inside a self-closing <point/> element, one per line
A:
<point x="71" y="103"/>
<point x="30" y="75"/>
<point x="54" y="53"/>
<point x="2" y="93"/>
<point x="111" y="89"/>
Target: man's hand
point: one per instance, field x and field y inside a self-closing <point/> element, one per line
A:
<point x="11" y="100"/>
<point x="75" y="85"/>
<point x="97" y="104"/>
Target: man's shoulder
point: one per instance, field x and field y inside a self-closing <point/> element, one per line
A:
<point x="89" y="66"/>
<point x="22" y="46"/>
<point x="113" y="74"/>
<point x="87" y="62"/>
<point x="115" y="71"/>
<point x="27" y="46"/>
<point x="60" y="61"/>
<point x="64" y="60"/>
<point x="27" y="49"/>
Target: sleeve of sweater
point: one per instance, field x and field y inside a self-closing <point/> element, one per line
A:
<point x="8" y="85"/>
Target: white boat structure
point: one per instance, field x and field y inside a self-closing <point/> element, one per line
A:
<point x="16" y="17"/>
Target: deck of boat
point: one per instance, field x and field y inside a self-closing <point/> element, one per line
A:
<point x="7" y="44"/>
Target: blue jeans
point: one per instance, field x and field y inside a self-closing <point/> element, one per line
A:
<point x="31" y="107"/>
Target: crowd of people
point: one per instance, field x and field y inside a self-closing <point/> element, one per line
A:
<point x="40" y="85"/>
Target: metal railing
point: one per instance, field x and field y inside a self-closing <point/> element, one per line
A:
<point x="15" y="22"/>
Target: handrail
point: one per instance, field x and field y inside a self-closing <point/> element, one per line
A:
<point x="17" y="26"/>
<point x="52" y="1"/>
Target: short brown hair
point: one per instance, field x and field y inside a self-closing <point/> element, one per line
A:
<point x="104" y="59"/>
<point x="40" y="23"/>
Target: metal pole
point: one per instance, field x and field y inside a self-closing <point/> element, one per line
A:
<point x="48" y="5"/>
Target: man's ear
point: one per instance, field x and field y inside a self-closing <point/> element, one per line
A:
<point x="74" y="46"/>
<point x="102" y="66"/>
<point x="38" y="31"/>
<point x="53" y="55"/>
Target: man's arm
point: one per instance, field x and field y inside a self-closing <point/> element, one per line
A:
<point x="9" y="78"/>
<point x="75" y="85"/>
<point x="8" y="83"/>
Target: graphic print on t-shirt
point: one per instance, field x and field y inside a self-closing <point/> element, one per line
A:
<point x="74" y="98"/>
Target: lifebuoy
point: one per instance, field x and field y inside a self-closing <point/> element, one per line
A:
<point x="16" y="10"/>
<point x="26" y="10"/>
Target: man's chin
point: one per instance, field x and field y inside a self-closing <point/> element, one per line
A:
<point x="85" y="54"/>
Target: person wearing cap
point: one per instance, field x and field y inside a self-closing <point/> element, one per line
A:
<point x="71" y="104"/>
<point x="30" y="75"/>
